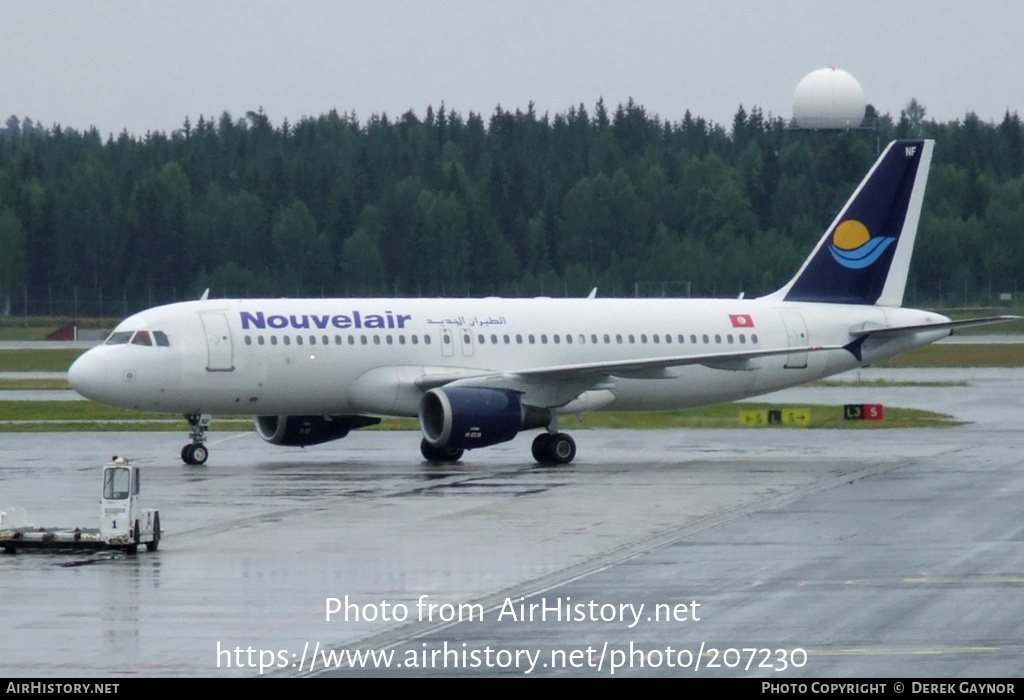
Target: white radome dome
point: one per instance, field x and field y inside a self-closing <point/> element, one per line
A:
<point x="829" y="98"/>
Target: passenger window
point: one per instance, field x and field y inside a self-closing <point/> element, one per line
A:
<point x="298" y="340"/>
<point x="287" y="340"/>
<point x="753" y="337"/>
<point x="494" y="339"/>
<point x="401" y="340"/>
<point x="391" y="341"/>
<point x="248" y="340"/>
<point x="556" y="339"/>
<point x="426" y="340"/>
<point x="415" y="340"/>
<point x="643" y="338"/>
<point x="273" y="340"/>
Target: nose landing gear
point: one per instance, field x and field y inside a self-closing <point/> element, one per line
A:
<point x="195" y="452"/>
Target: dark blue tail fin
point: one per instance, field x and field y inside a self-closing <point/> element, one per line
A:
<point x="864" y="256"/>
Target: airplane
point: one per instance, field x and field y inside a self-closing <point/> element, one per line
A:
<point x="476" y="372"/>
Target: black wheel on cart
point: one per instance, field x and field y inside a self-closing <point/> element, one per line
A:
<point x="134" y="547"/>
<point x="152" y="546"/>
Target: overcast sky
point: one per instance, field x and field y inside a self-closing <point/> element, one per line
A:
<point x="145" y="66"/>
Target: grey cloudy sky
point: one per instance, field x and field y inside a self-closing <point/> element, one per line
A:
<point x="145" y="66"/>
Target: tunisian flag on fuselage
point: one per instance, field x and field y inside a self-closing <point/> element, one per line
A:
<point x="741" y="320"/>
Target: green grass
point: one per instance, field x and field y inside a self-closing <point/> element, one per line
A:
<point x="876" y="383"/>
<point x="1005" y="328"/>
<point x="939" y="355"/>
<point x="33" y="384"/>
<point x="57" y="360"/>
<point x="70" y="411"/>
<point x="85" y="415"/>
<point x="38" y="327"/>
<point x="956" y="355"/>
<point x="727" y="415"/>
<point x="948" y="355"/>
<point x="88" y="416"/>
<point x="41" y="416"/>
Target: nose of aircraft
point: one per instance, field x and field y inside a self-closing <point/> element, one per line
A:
<point x="87" y="375"/>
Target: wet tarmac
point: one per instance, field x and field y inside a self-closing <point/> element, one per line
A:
<point x="875" y="553"/>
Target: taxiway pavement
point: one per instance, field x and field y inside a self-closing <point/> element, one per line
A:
<point x="878" y="553"/>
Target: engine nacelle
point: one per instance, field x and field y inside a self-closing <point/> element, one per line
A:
<point x="468" y="417"/>
<point x="299" y="431"/>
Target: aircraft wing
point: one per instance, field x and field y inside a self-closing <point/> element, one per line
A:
<point x="660" y="367"/>
<point x="649" y="368"/>
<point x="558" y="384"/>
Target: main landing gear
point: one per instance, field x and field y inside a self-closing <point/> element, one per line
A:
<point x="432" y="453"/>
<point x="554" y="448"/>
<point x="548" y="448"/>
<point x="195" y="452"/>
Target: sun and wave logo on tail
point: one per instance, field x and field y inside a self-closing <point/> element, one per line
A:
<point x="853" y="246"/>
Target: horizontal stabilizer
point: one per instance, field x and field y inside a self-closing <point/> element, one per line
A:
<point x="862" y="334"/>
<point x="922" y="327"/>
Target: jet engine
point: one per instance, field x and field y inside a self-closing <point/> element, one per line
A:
<point x="299" y="431"/>
<point x="468" y="417"/>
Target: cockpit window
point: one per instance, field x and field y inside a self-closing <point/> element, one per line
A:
<point x="119" y="338"/>
<point x="145" y="338"/>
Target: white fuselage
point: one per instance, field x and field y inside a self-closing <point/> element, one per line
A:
<point x="365" y="356"/>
